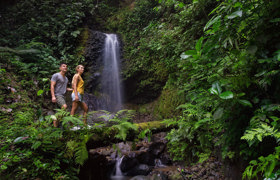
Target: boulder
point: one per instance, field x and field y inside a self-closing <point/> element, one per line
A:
<point x="128" y="163"/>
<point x="140" y="169"/>
<point x="157" y="148"/>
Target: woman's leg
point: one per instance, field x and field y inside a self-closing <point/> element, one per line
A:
<point x="85" y="108"/>
<point x="74" y="107"/>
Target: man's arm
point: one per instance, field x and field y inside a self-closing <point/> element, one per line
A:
<point x="52" y="91"/>
<point x="69" y="89"/>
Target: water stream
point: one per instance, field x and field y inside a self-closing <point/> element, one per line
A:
<point x="118" y="174"/>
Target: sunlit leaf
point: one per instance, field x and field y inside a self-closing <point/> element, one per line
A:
<point x="235" y="14"/>
<point x="184" y="56"/>
<point x="215" y="89"/>
<point x="245" y="102"/>
<point x="201" y="122"/>
<point x="18" y="139"/>
<point x="75" y="33"/>
<point x="181" y="4"/>
<point x="3" y="167"/>
<point x="226" y="95"/>
<point x="198" y="45"/>
<point x="191" y="52"/>
<point x="40" y="92"/>
<point x="212" y="21"/>
<point x="218" y="113"/>
<point x="45" y="79"/>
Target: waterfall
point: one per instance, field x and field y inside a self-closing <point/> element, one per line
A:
<point x="118" y="174"/>
<point x="158" y="163"/>
<point x="118" y="167"/>
<point x="111" y="84"/>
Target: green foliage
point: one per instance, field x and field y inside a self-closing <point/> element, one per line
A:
<point x="123" y="125"/>
<point x="217" y="61"/>
<point x="35" y="149"/>
<point x="267" y="165"/>
<point x="81" y="151"/>
<point x="257" y="134"/>
<point x="263" y="125"/>
<point x="223" y="57"/>
<point x="147" y="133"/>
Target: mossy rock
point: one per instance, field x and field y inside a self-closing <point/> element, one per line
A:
<point x="150" y="125"/>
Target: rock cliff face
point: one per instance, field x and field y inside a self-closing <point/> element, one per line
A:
<point x="93" y="56"/>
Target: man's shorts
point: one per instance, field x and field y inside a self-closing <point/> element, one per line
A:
<point x="60" y="100"/>
<point x="81" y="96"/>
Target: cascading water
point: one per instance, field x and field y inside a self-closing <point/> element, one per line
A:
<point x="111" y="84"/>
<point x="118" y="174"/>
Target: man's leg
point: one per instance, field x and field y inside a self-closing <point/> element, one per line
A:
<point x="55" y="123"/>
<point x="61" y="103"/>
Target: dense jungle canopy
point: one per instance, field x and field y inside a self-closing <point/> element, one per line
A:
<point x="207" y="69"/>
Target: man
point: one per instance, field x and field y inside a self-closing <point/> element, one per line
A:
<point x="58" y="88"/>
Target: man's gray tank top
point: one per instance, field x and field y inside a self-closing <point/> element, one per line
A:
<point x="61" y="84"/>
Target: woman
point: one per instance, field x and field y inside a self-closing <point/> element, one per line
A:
<point x="78" y="93"/>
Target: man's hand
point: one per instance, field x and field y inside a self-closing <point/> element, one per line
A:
<point x="53" y="99"/>
<point x="69" y="89"/>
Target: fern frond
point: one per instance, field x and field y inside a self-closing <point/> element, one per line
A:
<point x="70" y="148"/>
<point x="72" y="119"/>
<point x="81" y="154"/>
<point x="259" y="133"/>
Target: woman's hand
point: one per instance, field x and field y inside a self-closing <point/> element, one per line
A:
<point x="76" y="98"/>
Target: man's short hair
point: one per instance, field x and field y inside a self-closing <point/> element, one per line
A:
<point x="62" y="64"/>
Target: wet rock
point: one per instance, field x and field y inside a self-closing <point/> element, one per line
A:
<point x="165" y="159"/>
<point x="114" y="155"/>
<point x="140" y="178"/>
<point x="146" y="158"/>
<point x="157" y="148"/>
<point x="163" y="176"/>
<point x="125" y="148"/>
<point x="128" y="163"/>
<point x="99" y="116"/>
<point x="93" y="56"/>
<point x="141" y="169"/>
<point x="159" y="137"/>
<point x="96" y="167"/>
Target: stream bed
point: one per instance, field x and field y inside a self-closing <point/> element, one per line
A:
<point x="144" y="160"/>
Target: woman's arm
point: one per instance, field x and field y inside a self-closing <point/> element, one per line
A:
<point x="74" y="86"/>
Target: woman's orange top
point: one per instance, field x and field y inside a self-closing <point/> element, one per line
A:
<point x="80" y="84"/>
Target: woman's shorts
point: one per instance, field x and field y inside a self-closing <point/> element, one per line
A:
<point x="79" y="95"/>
